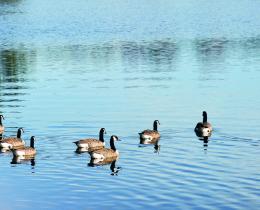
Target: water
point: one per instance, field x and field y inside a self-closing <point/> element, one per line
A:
<point x="69" y="68"/>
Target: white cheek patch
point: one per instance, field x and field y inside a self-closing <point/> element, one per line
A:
<point x="205" y="132"/>
<point x="6" y="145"/>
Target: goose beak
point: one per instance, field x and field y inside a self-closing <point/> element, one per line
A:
<point x="119" y="140"/>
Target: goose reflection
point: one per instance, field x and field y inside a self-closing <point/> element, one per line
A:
<point x="19" y="160"/>
<point x="114" y="169"/>
<point x="155" y="142"/>
<point x="203" y="136"/>
<point x="205" y="140"/>
<point x="81" y="150"/>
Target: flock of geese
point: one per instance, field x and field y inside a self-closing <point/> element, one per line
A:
<point x="95" y="147"/>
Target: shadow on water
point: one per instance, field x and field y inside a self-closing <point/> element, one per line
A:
<point x="114" y="169"/>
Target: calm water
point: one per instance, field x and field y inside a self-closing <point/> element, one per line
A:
<point x="68" y="69"/>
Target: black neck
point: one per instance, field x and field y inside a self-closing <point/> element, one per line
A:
<point x="32" y="143"/>
<point x="101" y="135"/>
<point x="155" y="125"/>
<point x="19" y="133"/>
<point x="112" y="144"/>
<point x="1" y="123"/>
<point x="205" y="118"/>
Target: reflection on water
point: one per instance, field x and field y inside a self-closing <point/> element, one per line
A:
<point x="160" y="55"/>
<point x="114" y="169"/>
<point x="69" y="68"/>
<point x="205" y="141"/>
<point x="211" y="48"/>
<point x="10" y="1"/>
<point x="155" y="142"/>
<point x="14" y="66"/>
<point x="18" y="160"/>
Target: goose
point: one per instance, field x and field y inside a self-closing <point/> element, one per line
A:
<point x="150" y="135"/>
<point x="2" y="128"/>
<point x="203" y="128"/>
<point x="26" y="151"/>
<point x="13" y="142"/>
<point x="106" y="153"/>
<point x="91" y="143"/>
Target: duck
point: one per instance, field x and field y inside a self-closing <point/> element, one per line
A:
<point x="106" y="153"/>
<point x="2" y="128"/>
<point x="91" y="143"/>
<point x="203" y="128"/>
<point x="26" y="151"/>
<point x="150" y="135"/>
<point x="13" y="142"/>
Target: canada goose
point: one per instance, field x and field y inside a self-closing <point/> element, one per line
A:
<point x="13" y="142"/>
<point x="2" y="128"/>
<point x="105" y="152"/>
<point x="91" y="143"/>
<point x="26" y="151"/>
<point x="97" y="162"/>
<point x="203" y="128"/>
<point x="151" y="134"/>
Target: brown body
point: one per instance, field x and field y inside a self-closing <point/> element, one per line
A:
<point x="106" y="153"/>
<point x="13" y="142"/>
<point x="151" y="135"/>
<point x="26" y="151"/>
<point x="154" y="134"/>
<point x="91" y="144"/>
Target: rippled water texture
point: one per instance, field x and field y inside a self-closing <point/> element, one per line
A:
<point x="69" y="68"/>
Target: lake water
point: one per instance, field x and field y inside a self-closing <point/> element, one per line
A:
<point x="69" y="68"/>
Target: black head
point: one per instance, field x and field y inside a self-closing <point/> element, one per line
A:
<point x="114" y="138"/>
<point x="103" y="130"/>
<point x="19" y="132"/>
